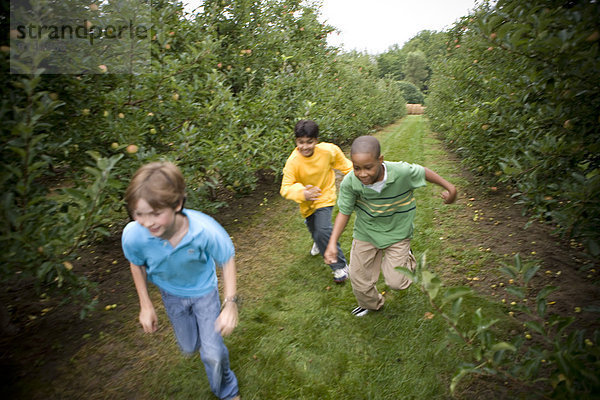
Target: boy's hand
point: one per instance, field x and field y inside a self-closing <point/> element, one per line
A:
<point x="331" y="255"/>
<point x="449" y="196"/>
<point x="311" y="192"/>
<point x="148" y="320"/>
<point x="227" y="320"/>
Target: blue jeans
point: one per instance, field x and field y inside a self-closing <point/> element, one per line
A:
<point x="319" y="226"/>
<point x="193" y="320"/>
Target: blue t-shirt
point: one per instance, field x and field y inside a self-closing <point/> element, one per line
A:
<point x="187" y="270"/>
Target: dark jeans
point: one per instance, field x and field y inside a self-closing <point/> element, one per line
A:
<point x="319" y="226"/>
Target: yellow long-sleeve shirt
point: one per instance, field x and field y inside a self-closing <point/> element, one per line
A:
<point x="316" y="170"/>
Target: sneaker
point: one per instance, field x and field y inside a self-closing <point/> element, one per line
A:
<point x="315" y="250"/>
<point x="340" y="275"/>
<point x="359" y="312"/>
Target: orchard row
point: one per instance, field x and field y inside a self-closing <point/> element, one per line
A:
<point x="220" y="97"/>
<point x="518" y="96"/>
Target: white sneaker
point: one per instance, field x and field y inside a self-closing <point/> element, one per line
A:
<point x="315" y="250"/>
<point x="340" y="275"/>
<point x="359" y="311"/>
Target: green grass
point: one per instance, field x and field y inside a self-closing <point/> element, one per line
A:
<point x="296" y="338"/>
<point x="300" y="341"/>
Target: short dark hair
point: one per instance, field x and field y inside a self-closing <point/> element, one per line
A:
<point x="366" y="145"/>
<point x="306" y="128"/>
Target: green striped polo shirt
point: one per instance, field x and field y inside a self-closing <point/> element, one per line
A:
<point x="387" y="217"/>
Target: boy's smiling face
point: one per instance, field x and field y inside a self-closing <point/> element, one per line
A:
<point x="160" y="222"/>
<point x="367" y="168"/>
<point x="306" y="145"/>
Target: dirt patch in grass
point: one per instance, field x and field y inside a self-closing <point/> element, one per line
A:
<point x="502" y="229"/>
<point x="497" y="227"/>
<point x="493" y="225"/>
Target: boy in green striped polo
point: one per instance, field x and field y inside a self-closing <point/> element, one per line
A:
<point x="381" y="194"/>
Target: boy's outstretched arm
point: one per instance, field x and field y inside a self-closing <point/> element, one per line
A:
<point x="148" y="317"/>
<point x="342" y="163"/>
<point x="228" y="319"/>
<point x="331" y="253"/>
<point x="450" y="194"/>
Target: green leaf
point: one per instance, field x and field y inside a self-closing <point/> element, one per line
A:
<point x="535" y="326"/>
<point x="510" y="271"/>
<point x="516" y="291"/>
<point x="518" y="263"/>
<point x="21" y="152"/>
<point x="530" y="368"/>
<point x="564" y="323"/>
<point x="498" y="356"/>
<point x="464" y="371"/>
<point x="431" y="283"/>
<point x="477" y="354"/>
<point x="456" y="306"/>
<point x="76" y="195"/>
<point x="529" y="272"/>
<point x="455" y="292"/>
<point x="93" y="171"/>
<point x="561" y="361"/>
<point x="541" y="307"/>
<point x="545" y="292"/>
<point x="94" y="154"/>
<point x="408" y="273"/>
<point x="101" y="230"/>
<point x="503" y="346"/>
<point x="455" y="337"/>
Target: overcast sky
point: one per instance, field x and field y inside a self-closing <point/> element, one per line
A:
<point x="375" y="25"/>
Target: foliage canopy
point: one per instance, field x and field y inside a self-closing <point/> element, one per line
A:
<point x="219" y="97"/>
<point x="518" y="96"/>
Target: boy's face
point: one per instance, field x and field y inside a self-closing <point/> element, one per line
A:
<point x="306" y="145"/>
<point x="367" y="168"/>
<point x="160" y="222"/>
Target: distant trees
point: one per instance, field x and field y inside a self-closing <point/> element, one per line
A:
<point x="413" y="62"/>
<point x="416" y="68"/>
<point x="411" y="93"/>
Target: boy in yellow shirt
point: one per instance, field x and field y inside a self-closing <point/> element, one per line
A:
<point x="309" y="179"/>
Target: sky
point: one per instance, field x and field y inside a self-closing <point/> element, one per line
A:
<point x="373" y="26"/>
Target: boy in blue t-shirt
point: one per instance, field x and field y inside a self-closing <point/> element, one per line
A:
<point x="177" y="249"/>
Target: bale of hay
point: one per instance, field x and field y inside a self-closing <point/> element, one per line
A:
<point x="414" y="109"/>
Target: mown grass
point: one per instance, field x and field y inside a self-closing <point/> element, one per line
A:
<point x="296" y="338"/>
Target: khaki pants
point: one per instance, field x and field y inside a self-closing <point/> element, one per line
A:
<point x="366" y="261"/>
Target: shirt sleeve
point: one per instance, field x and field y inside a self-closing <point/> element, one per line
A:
<point x="341" y="163"/>
<point x="291" y="189"/>
<point x="416" y="175"/>
<point x="347" y="196"/>
<point x="219" y="244"/>
<point x="129" y="245"/>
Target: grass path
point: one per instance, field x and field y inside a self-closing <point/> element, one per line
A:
<point x="296" y="338"/>
<point x="300" y="341"/>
